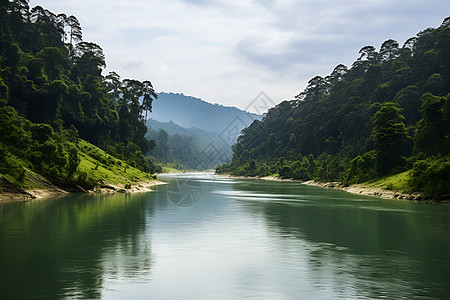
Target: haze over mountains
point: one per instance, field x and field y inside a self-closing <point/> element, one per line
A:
<point x="205" y="130"/>
<point x="188" y="111"/>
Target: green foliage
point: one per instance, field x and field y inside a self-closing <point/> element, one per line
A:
<point x="362" y="168"/>
<point x="388" y="133"/>
<point x="53" y="93"/>
<point x="433" y="130"/>
<point x="357" y="124"/>
<point x="432" y="177"/>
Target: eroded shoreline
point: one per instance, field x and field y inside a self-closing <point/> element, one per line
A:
<point x="35" y="194"/>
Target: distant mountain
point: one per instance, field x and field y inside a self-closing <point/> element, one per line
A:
<point x="189" y="112"/>
<point x="187" y="148"/>
<point x="193" y="134"/>
<point x="173" y="128"/>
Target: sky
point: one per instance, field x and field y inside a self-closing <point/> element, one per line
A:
<point x="229" y="51"/>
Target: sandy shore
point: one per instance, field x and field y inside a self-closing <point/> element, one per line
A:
<point x="144" y="186"/>
<point x="14" y="195"/>
<point x="22" y="196"/>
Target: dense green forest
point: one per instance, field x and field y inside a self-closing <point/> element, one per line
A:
<point x="186" y="148"/>
<point x="387" y="113"/>
<point x="53" y="94"/>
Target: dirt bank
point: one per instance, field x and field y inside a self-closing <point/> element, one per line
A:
<point x="354" y="188"/>
<point x="367" y="190"/>
<point x="14" y="194"/>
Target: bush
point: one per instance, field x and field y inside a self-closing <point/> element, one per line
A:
<point x="432" y="178"/>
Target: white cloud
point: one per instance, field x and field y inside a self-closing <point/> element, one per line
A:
<point x="228" y="51"/>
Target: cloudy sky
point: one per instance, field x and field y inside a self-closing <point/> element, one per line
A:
<point x="228" y="51"/>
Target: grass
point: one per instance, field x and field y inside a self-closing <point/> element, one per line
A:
<point x="100" y="166"/>
<point x="397" y="182"/>
<point x="96" y="166"/>
<point x="168" y="169"/>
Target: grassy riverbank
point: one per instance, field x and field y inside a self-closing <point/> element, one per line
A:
<point x="103" y="172"/>
<point x="392" y="187"/>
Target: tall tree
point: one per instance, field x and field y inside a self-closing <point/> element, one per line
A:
<point x="90" y="59"/>
<point x="432" y="130"/>
<point x="388" y="134"/>
<point x="389" y="51"/>
<point x="317" y="86"/>
<point x="75" y="32"/>
<point x="149" y="95"/>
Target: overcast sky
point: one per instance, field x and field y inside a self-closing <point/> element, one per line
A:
<point x="228" y="51"/>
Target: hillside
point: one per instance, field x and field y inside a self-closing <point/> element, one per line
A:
<point x="53" y="95"/>
<point x="386" y="114"/>
<point x="186" y="148"/>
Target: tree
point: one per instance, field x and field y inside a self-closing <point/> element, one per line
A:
<point x="409" y="100"/>
<point x="75" y="33"/>
<point x="368" y="56"/>
<point x="149" y="95"/>
<point x="21" y="7"/>
<point x="53" y="59"/>
<point x="389" y="51"/>
<point x="90" y="59"/>
<point x="388" y="134"/>
<point x="113" y="85"/>
<point x="338" y="73"/>
<point x="446" y="22"/>
<point x="432" y="130"/>
<point x="410" y="44"/>
<point x="38" y="14"/>
<point x="317" y="86"/>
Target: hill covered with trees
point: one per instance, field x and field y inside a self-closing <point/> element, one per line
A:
<point x="53" y="95"/>
<point x="388" y="113"/>
<point x="184" y="148"/>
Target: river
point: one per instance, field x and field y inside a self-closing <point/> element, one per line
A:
<point x="205" y="237"/>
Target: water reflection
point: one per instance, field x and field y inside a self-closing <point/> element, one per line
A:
<point x="240" y="239"/>
<point x="357" y="246"/>
<point x="68" y="247"/>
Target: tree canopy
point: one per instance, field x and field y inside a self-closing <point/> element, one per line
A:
<point x="382" y="115"/>
<point x="51" y="84"/>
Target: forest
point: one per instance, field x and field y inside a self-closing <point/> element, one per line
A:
<point x="386" y="114"/>
<point x="53" y="96"/>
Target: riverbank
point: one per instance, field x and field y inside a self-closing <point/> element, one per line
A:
<point x="14" y="194"/>
<point x="367" y="190"/>
<point x="361" y="189"/>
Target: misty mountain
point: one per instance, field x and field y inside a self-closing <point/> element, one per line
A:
<point x="173" y="128"/>
<point x="188" y="111"/>
<point x="187" y="148"/>
<point x="191" y="133"/>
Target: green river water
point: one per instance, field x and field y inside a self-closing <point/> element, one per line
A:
<point x="205" y="237"/>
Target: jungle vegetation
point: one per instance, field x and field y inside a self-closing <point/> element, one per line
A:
<point x="388" y="113"/>
<point x="53" y="95"/>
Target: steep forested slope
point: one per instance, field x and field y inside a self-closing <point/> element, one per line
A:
<point x="52" y="92"/>
<point x="389" y="112"/>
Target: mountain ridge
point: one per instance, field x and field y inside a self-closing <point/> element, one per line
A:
<point x="189" y="111"/>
